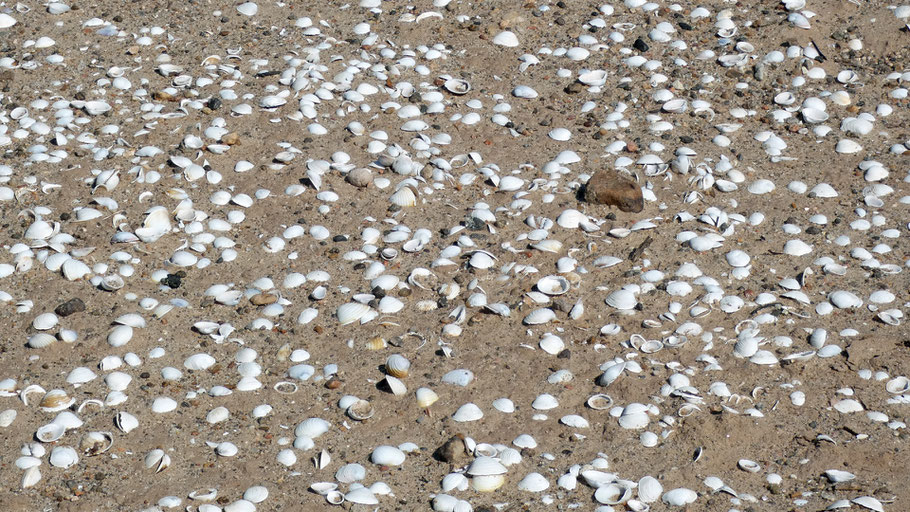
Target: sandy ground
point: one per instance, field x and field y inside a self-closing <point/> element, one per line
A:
<point x="500" y="351"/>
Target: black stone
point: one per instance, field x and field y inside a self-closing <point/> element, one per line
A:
<point x="69" y="307"/>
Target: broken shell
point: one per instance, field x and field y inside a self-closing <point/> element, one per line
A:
<point x="95" y="443"/>
<point x="125" y="421"/>
<point x="50" y="432"/>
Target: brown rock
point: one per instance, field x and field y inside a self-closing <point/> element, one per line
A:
<point x="262" y="299"/>
<point x="230" y="139"/>
<point x="609" y="188"/>
<point x="452" y="450"/>
<point x="360" y="177"/>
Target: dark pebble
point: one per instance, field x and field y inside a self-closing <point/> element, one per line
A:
<point x="474" y="224"/>
<point x="640" y="45"/>
<point x="172" y="281"/>
<point x="69" y="307"/>
<point x="213" y="103"/>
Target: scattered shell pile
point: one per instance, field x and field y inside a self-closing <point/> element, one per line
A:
<point x="342" y="254"/>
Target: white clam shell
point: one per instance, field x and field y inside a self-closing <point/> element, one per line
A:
<point x="361" y="496"/>
<point x="200" y="361"/>
<point x="574" y="421"/>
<point x="612" y="494"/>
<point x="679" y="497"/>
<point x="506" y="38"/>
<point x="468" y="412"/>
<point x="45" y="321"/>
<point x="350" y="473"/>
<point x="459" y="377"/>
<point x="553" y="285"/>
<point x="312" y="428"/>
<point x="387" y="456"/>
<point x="622" y="299"/>
<point x="649" y="489"/>
<point x="351" y="312"/>
<point x="457" y="86"/>
<point x="63" y="457"/>
<point x="504" y="405"/>
<point x="539" y="316"/>
<point x="126" y="422"/>
<point x="485" y="466"/>
<point x="533" y="482"/>
<point x="50" y="432"/>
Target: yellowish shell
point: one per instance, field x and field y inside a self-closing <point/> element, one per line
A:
<point x="376" y="343"/>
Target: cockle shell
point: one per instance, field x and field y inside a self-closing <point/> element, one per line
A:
<point x="312" y="428"/>
<point x="351" y="312"/>
<point x="622" y="299"/>
<point x="397" y="366"/>
<point x="426" y="397"/>
<point x="350" y="473"/>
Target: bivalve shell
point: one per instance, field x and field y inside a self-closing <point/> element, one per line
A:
<point x="468" y="412"/>
<point x="397" y="366"/>
<point x="387" y="456"/>
<point x="534" y="482"/>
<point x="679" y="497"/>
<point x="63" y="457"/>
<point x="553" y="285"/>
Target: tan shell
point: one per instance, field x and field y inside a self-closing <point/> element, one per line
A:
<point x="397" y="366"/>
<point x="376" y="343"/>
<point x="56" y="400"/>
